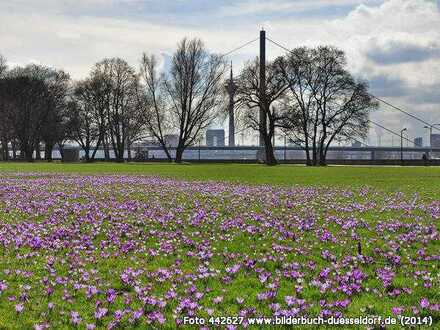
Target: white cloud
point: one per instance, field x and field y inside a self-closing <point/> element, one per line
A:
<point x="279" y="6"/>
<point x="75" y="44"/>
<point x="414" y="22"/>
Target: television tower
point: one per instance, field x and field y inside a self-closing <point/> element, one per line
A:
<point x="231" y="88"/>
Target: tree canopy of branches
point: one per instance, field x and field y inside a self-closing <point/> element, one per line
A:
<point x="122" y="107"/>
<point x="326" y="104"/>
<point x="250" y="100"/>
<point x="87" y="116"/>
<point x="55" y="128"/>
<point x="33" y="100"/>
<point x="193" y="91"/>
<point x="156" y="112"/>
<point x="309" y="95"/>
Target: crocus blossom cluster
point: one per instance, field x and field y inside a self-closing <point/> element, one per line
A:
<point x="123" y="251"/>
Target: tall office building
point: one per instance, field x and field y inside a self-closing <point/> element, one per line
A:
<point x="215" y="137"/>
<point x="435" y="140"/>
<point x="418" y="142"/>
<point x="171" y="140"/>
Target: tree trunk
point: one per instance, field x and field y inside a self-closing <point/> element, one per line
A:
<point x="179" y="153"/>
<point x="120" y="155"/>
<point x="165" y="149"/>
<point x="98" y="143"/>
<point x="268" y="148"/>
<point x="87" y="152"/>
<point x="28" y="152"/>
<point x="321" y="161"/>
<point x="322" y="152"/>
<point x="5" y="149"/>
<point x="37" y="151"/>
<point x="129" y="151"/>
<point x="61" y="150"/>
<point x="22" y="153"/>
<point x="308" y="160"/>
<point x="48" y="147"/>
<point x="307" y="147"/>
<point x="106" y="149"/>
<point x="25" y="153"/>
<point x="314" y="154"/>
<point x="167" y="152"/>
<point x="14" y="150"/>
<point x="325" y="151"/>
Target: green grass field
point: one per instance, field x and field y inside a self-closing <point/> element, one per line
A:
<point x="422" y="180"/>
<point x="149" y="244"/>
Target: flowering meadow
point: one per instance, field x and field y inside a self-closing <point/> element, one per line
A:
<point x="143" y="252"/>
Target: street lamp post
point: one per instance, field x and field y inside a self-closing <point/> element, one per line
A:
<point x="401" y="144"/>
<point x="430" y="138"/>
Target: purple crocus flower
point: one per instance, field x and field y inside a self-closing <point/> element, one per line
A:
<point x="100" y="312"/>
<point x="424" y="303"/>
<point x="398" y="310"/>
<point x="217" y="300"/>
<point x="19" y="308"/>
<point x="75" y="318"/>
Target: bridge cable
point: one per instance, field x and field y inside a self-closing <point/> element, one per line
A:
<point x="238" y="48"/>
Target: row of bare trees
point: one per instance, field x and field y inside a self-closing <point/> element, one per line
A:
<point x="310" y="97"/>
<point x="105" y="110"/>
<point x="115" y="106"/>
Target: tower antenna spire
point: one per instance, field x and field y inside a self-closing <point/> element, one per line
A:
<point x="231" y="88"/>
<point x="232" y="75"/>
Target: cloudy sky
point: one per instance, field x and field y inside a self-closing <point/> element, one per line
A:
<point x="394" y="44"/>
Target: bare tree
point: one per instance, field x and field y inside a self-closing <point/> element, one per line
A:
<point x="99" y="90"/>
<point x="84" y="119"/>
<point x="122" y="106"/>
<point x="193" y="91"/>
<point x="54" y="129"/>
<point x="157" y="116"/>
<point x="251" y="100"/>
<point x="326" y="103"/>
<point x="135" y="123"/>
<point x="24" y="97"/>
<point x="301" y="121"/>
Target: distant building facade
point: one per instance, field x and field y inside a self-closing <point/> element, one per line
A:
<point x="215" y="137"/>
<point x="435" y="140"/>
<point x="146" y="143"/>
<point x="293" y="143"/>
<point x="418" y="142"/>
<point x="171" y="140"/>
